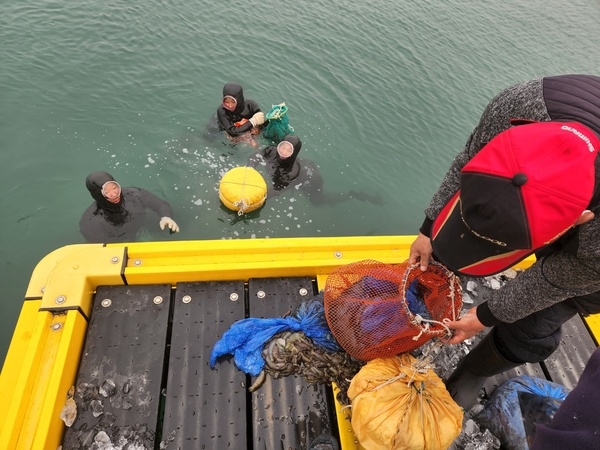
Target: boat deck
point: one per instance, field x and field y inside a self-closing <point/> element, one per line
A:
<point x="133" y="326"/>
<point x="147" y="352"/>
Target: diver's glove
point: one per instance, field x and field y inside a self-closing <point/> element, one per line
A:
<point x="257" y="119"/>
<point x="169" y="223"/>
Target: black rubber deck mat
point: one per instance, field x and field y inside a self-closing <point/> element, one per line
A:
<point x="566" y="364"/>
<point x="204" y="408"/>
<point x="287" y="413"/>
<point x="117" y="391"/>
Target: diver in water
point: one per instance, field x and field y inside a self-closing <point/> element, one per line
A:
<point x="118" y="214"/>
<point x="285" y="169"/>
<point x="239" y="118"/>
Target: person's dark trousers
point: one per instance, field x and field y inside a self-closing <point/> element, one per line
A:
<point x="535" y="337"/>
<point x="483" y="361"/>
<point x="508" y="345"/>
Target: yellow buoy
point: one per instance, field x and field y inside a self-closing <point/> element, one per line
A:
<point x="243" y="189"/>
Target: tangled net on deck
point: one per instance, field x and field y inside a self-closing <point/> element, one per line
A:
<point x="290" y="353"/>
<point x="278" y="124"/>
<point x="299" y="343"/>
<point x="377" y="310"/>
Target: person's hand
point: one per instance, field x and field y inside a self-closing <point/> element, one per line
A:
<point x="466" y="327"/>
<point x="170" y="223"/>
<point x="257" y="119"/>
<point x="420" y="251"/>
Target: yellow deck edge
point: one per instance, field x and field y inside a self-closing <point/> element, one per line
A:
<point x="593" y="322"/>
<point x="73" y="281"/>
<point x="17" y="349"/>
<point x="25" y="383"/>
<point x="47" y="427"/>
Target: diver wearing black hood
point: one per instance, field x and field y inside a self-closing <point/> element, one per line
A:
<point x="236" y="115"/>
<point x="286" y="169"/>
<point x="117" y="214"/>
<point x="282" y="161"/>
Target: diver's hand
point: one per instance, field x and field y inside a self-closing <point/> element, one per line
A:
<point x="466" y="327"/>
<point x="420" y="251"/>
<point x="257" y="119"/>
<point x="170" y="223"/>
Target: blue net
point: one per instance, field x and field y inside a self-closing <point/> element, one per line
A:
<point x="517" y="406"/>
<point x="246" y="338"/>
<point x="414" y="300"/>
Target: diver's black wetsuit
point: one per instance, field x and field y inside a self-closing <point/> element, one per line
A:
<point x="244" y="109"/>
<point x="302" y="174"/>
<point x="104" y="221"/>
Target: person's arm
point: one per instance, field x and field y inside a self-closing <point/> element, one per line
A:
<point x="421" y="249"/>
<point x="253" y="107"/>
<point x="96" y="229"/>
<point x="255" y="116"/>
<point x="90" y="227"/>
<point x="160" y="207"/>
<point x="552" y="279"/>
<point x="524" y="101"/>
<point x="228" y="124"/>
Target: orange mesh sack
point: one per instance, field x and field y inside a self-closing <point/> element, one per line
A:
<point x="378" y="310"/>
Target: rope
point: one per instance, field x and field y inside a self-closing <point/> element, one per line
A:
<point x="425" y="324"/>
<point x="242" y="204"/>
<point x="277" y="112"/>
<point x="452" y="294"/>
<point x="290" y="353"/>
<point x="420" y="366"/>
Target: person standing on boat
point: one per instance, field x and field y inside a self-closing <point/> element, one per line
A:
<point x="527" y="182"/>
<point x="239" y="118"/>
<point x="118" y="214"/>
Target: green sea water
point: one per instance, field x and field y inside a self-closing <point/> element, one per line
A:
<point x="383" y="94"/>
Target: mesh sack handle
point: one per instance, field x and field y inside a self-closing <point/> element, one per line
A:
<point x="377" y="310"/>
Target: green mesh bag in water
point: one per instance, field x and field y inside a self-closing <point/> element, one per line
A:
<point x="278" y="124"/>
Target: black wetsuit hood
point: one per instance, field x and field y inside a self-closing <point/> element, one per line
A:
<point x="115" y="213"/>
<point x="232" y="121"/>
<point x="288" y="163"/>
<point x="288" y="169"/>
<point x="236" y="91"/>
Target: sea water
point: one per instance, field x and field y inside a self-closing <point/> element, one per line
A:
<point x="382" y="93"/>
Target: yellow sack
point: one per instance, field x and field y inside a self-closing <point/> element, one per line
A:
<point x="243" y="189"/>
<point x="396" y="405"/>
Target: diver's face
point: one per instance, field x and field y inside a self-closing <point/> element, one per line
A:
<point x="285" y="149"/>
<point x="111" y="191"/>
<point x="229" y="103"/>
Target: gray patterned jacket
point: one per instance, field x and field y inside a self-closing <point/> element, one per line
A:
<point x="572" y="267"/>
